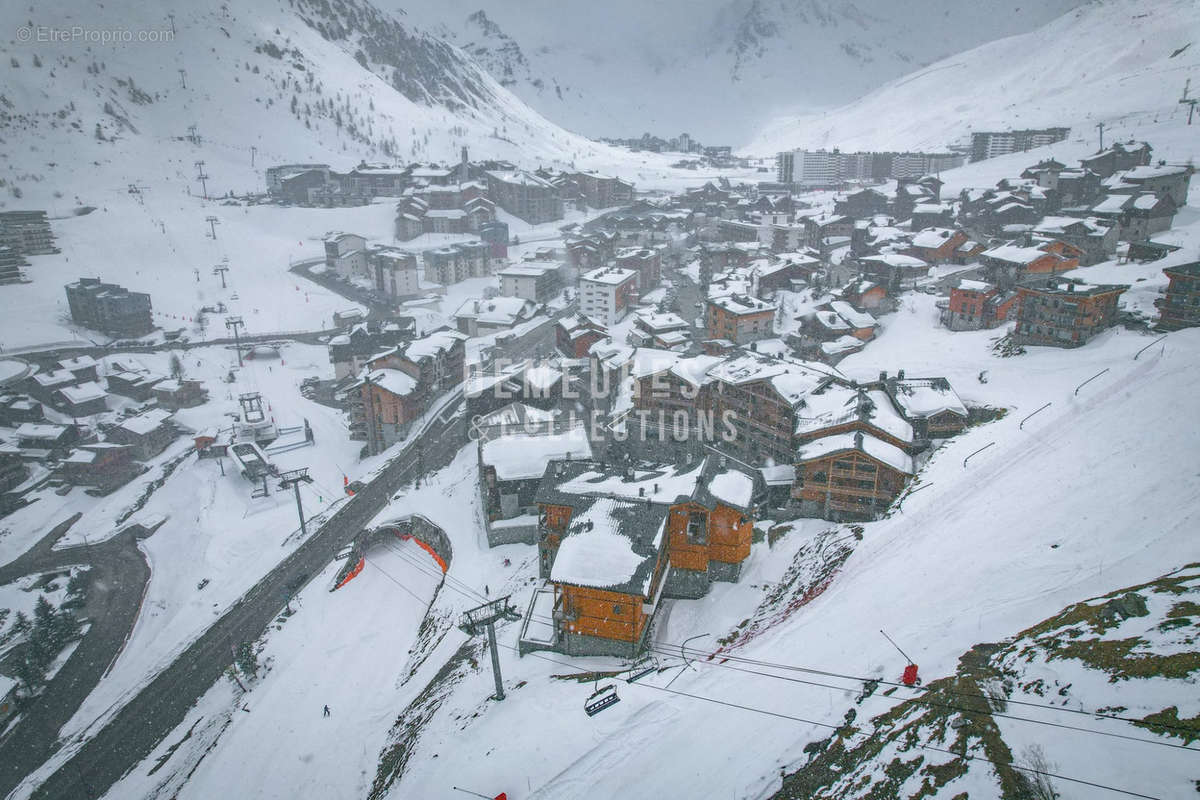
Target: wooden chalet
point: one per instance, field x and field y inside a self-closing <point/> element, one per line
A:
<point x="180" y="393"/>
<point x="137" y="385"/>
<point x="575" y="335"/>
<point x="1179" y="307"/>
<point x="614" y="540"/>
<point x="105" y="466"/>
<point x="148" y="433"/>
<point x="18" y="408"/>
<point x="930" y="405"/>
<point x="1064" y="312"/>
<point x="82" y="400"/>
<point x="850" y="476"/>
<point x="974" y="305"/>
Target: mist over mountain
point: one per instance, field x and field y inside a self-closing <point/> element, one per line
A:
<point x="621" y="68"/>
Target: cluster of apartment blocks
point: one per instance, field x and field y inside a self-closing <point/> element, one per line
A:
<point x="825" y="168"/>
<point x="441" y="199"/>
<point x="109" y="308"/>
<point x="22" y="234"/>
<point x="990" y="144"/>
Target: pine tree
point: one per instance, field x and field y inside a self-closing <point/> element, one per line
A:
<point x="30" y="675"/>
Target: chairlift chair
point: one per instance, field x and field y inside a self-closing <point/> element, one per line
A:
<point x="641" y="668"/>
<point x="601" y="699"/>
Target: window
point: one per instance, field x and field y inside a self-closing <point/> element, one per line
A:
<point x="697" y="528"/>
<point x="618" y="609"/>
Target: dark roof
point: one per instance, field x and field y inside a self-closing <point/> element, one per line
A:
<point x="1066" y="287"/>
<point x="1190" y="270"/>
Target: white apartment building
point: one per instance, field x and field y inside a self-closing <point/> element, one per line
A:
<point x="607" y="294"/>
<point x="539" y="282"/>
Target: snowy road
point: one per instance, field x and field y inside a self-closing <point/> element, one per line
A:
<point x="155" y="710"/>
<point x="117" y="581"/>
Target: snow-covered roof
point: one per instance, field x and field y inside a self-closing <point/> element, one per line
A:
<point x="434" y="344"/>
<point x="613" y="276"/>
<point x="146" y="422"/>
<point x="520" y="176"/>
<point x="1113" y="203"/>
<point x="612" y="544"/>
<point x="856" y="318"/>
<point x="732" y="487"/>
<point x="528" y="270"/>
<point x="1060" y="225"/>
<point x="695" y="370"/>
<point x="741" y="304"/>
<point x="660" y="320"/>
<point x="839" y="405"/>
<point x="497" y="311"/>
<point x="792" y="380"/>
<point x="842" y="344"/>
<point x="922" y="398"/>
<point x="78" y="362"/>
<point x="779" y="475"/>
<point x="862" y="442"/>
<point x="897" y="260"/>
<point x="1147" y="172"/>
<point x="54" y="378"/>
<point x="656" y="483"/>
<point x="84" y="392"/>
<point x="966" y="284"/>
<point x="393" y="381"/>
<point x="524" y="456"/>
<point x="1014" y="254"/>
<point x="932" y="238"/>
<point x="1146" y="201"/>
<point x="39" y="430"/>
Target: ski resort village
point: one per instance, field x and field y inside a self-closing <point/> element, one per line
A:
<point x="384" y="415"/>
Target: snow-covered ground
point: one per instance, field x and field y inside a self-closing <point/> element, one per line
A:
<point x="1101" y="62"/>
<point x="1086" y="498"/>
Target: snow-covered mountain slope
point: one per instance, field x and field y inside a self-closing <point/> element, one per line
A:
<point x="1092" y="495"/>
<point x="1119" y="664"/>
<point x="296" y="81"/>
<point x="1100" y="62"/>
<point x="268" y="82"/>
<point x="624" y="67"/>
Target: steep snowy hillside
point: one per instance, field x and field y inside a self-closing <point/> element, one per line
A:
<point x="1100" y="62"/>
<point x="268" y="82"/>
<point x="621" y="68"/>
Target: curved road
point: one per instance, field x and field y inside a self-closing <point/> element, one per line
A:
<point x="116" y="585"/>
<point x="114" y="599"/>
<point x="134" y="731"/>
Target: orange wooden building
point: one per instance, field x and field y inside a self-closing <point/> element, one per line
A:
<point x="850" y="476"/>
<point x="613" y="541"/>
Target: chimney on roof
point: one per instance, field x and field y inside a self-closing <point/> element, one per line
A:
<point x="641" y="491"/>
<point x="882" y="375"/>
<point x="1071" y="288"/>
<point x="900" y="375"/>
<point x="656" y="488"/>
<point x="858" y="440"/>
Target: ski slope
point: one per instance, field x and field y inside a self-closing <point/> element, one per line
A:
<point x="1097" y="63"/>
